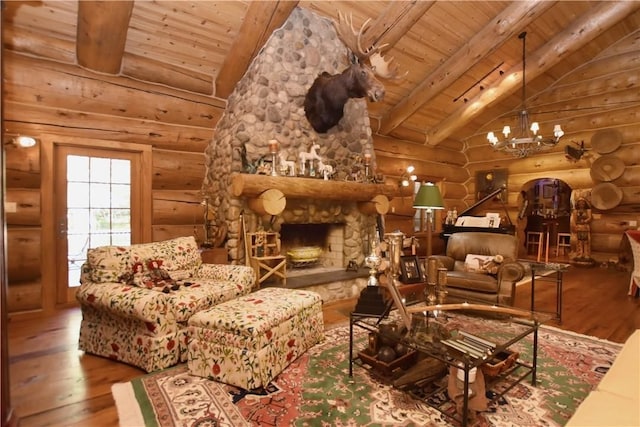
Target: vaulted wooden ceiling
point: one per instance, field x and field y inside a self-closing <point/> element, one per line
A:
<point x="463" y="58"/>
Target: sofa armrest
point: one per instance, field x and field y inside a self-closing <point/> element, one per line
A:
<point x="125" y="301"/>
<point x="242" y="275"/>
<point x="444" y="261"/>
<point x="510" y="271"/>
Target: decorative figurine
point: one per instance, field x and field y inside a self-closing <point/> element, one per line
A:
<point x="308" y="157"/>
<point x="581" y="232"/>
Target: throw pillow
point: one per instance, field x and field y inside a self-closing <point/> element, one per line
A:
<point x="487" y="264"/>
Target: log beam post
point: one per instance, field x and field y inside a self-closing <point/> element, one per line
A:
<point x="378" y="205"/>
<point x="269" y="202"/>
<point x="102" y="34"/>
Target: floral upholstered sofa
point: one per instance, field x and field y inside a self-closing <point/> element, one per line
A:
<point x="136" y="300"/>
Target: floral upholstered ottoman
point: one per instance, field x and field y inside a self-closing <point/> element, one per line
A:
<point x="248" y="341"/>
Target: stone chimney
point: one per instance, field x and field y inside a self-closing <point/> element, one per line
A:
<point x="267" y="104"/>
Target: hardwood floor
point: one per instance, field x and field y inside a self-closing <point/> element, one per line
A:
<point x="54" y="384"/>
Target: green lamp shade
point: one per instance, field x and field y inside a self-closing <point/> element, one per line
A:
<point x="428" y="197"/>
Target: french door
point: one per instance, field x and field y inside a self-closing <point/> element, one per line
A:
<point x="97" y="202"/>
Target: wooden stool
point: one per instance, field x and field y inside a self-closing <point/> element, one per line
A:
<point x="564" y="243"/>
<point x="535" y="240"/>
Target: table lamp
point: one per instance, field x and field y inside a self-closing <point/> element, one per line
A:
<point x="428" y="197"/>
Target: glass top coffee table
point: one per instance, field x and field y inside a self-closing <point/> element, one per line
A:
<point x="478" y="345"/>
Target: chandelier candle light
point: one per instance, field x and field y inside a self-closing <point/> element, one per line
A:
<point x="527" y="140"/>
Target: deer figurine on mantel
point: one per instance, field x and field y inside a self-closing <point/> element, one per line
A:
<point x="324" y="102"/>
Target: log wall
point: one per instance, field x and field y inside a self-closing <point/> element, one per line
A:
<point x="44" y="98"/>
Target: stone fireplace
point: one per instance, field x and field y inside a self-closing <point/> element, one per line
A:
<point x="267" y="104"/>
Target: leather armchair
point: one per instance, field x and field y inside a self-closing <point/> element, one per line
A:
<point x="473" y="286"/>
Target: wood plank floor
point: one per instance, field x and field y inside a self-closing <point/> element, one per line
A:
<point x="54" y="384"/>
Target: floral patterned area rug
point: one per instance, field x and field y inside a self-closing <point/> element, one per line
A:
<point x="316" y="390"/>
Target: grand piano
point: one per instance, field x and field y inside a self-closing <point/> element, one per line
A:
<point x="503" y="228"/>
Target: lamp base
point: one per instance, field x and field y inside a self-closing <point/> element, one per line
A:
<point x="371" y="301"/>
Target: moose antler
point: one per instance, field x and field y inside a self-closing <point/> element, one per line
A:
<point x="383" y="68"/>
<point x="352" y="39"/>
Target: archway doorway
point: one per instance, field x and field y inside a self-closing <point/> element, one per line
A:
<point x="544" y="207"/>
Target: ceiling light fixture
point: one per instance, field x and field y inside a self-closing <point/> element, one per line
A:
<point x="26" y="141"/>
<point x="527" y="140"/>
<point x="22" y="141"/>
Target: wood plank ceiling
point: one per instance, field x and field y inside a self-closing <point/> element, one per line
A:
<point x="463" y="59"/>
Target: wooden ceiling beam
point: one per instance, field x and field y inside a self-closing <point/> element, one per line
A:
<point x="394" y="22"/>
<point x="102" y="33"/>
<point x="578" y="33"/>
<point x="261" y="20"/>
<point x="504" y="27"/>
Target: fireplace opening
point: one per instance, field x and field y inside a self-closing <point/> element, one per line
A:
<point x="312" y="248"/>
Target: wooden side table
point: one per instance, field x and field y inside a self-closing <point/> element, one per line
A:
<point x="214" y="255"/>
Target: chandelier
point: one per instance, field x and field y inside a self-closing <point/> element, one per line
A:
<point x="526" y="140"/>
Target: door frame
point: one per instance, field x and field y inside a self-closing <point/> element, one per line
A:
<point x="48" y="203"/>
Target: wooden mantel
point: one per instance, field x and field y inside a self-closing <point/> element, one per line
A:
<point x="250" y="185"/>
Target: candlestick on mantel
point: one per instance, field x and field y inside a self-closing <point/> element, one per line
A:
<point x="367" y="158"/>
<point x="367" y="163"/>
<point x="273" y="149"/>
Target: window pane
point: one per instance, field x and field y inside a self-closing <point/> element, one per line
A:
<point x="77" y="195"/>
<point x="121" y="171"/>
<point x="78" y="221"/>
<point x="100" y="220"/>
<point x="78" y="245"/>
<point x="120" y="196"/>
<point x="100" y="169"/>
<point x="120" y="219"/>
<point x="74" y="275"/>
<point x="122" y="239"/>
<point x="100" y="196"/>
<point x="100" y="240"/>
<point x="77" y="168"/>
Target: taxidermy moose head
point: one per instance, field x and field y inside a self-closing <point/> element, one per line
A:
<point x="324" y="102"/>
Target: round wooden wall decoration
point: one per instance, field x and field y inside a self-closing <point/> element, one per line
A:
<point x="606" y="141"/>
<point x="605" y="196"/>
<point x="607" y="168"/>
